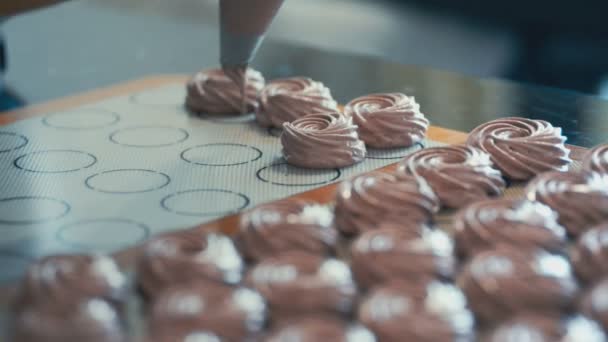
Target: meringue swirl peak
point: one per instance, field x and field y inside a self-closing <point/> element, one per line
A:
<point x="214" y="92"/>
<point x="590" y="253"/>
<point x="209" y="258"/>
<point x="287" y="99"/>
<point x="381" y="255"/>
<point x="402" y="311"/>
<point x="517" y="223"/>
<point x="369" y="201"/>
<point x="388" y="120"/>
<point x="522" y="148"/>
<point x="505" y="281"/>
<point x="596" y="159"/>
<point x="322" y="140"/>
<point x="593" y="302"/>
<point x="65" y="279"/>
<point x="579" y="198"/>
<point x="287" y="225"/>
<point x="313" y="329"/>
<point x="295" y="284"/>
<point x="233" y="313"/>
<point x="458" y="174"/>
<point x="91" y="320"/>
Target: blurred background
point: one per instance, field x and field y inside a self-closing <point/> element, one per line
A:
<point x="81" y="45"/>
<point x="554" y="43"/>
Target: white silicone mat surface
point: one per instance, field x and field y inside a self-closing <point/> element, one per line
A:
<point x="108" y="175"/>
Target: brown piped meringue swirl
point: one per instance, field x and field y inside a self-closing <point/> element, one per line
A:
<point x="545" y="328"/>
<point x="287" y="225"/>
<point x="93" y="320"/>
<point x="322" y="140"/>
<point x="234" y="313"/>
<point x="296" y="284"/>
<point x="501" y="282"/>
<point x="368" y="201"/>
<point x="388" y="120"/>
<point x="314" y="329"/>
<point x="238" y="75"/>
<point x="579" y="198"/>
<point x="399" y="311"/>
<point x="518" y="223"/>
<point x="457" y="174"/>
<point x="522" y="148"/>
<point x="596" y="159"/>
<point x="208" y="258"/>
<point x="287" y="99"/>
<point x="590" y="253"/>
<point x="381" y="255"/>
<point x="594" y="303"/>
<point x="212" y="92"/>
<point x="65" y="279"/>
<point x="166" y="333"/>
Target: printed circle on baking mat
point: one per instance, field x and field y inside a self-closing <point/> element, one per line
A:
<point x="205" y="202"/>
<point x="127" y="181"/>
<point x="392" y="153"/>
<point x="168" y="96"/>
<point x="13" y="266"/>
<point x="288" y="175"/>
<point x="88" y="118"/>
<point x="221" y="154"/>
<point x="227" y="119"/>
<point x="103" y="234"/>
<point x="55" y="161"/>
<point x="149" y="136"/>
<point x="31" y="209"/>
<point x="10" y="141"/>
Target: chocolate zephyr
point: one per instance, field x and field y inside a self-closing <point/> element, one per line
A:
<point x="594" y="302"/>
<point x="401" y="311"/>
<point x="63" y="279"/>
<point x="596" y="159"/>
<point x="208" y="258"/>
<point x="212" y="92"/>
<point x="288" y="99"/>
<point x="174" y="334"/>
<point x="580" y="198"/>
<point x="91" y="320"/>
<point x="369" y="201"/>
<point x="314" y="329"/>
<point x="522" y="148"/>
<point x="590" y="253"/>
<point x="517" y="223"/>
<point x="321" y="141"/>
<point x="381" y="255"/>
<point x="458" y="174"/>
<point x="388" y="120"/>
<point x="234" y="315"/>
<point x="506" y="281"/>
<point x="545" y="328"/>
<point x="297" y="284"/>
<point x="288" y="225"/>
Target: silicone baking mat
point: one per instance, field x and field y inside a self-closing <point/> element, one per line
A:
<point x="108" y="175"/>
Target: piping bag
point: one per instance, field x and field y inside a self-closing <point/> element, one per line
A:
<point x="243" y="24"/>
